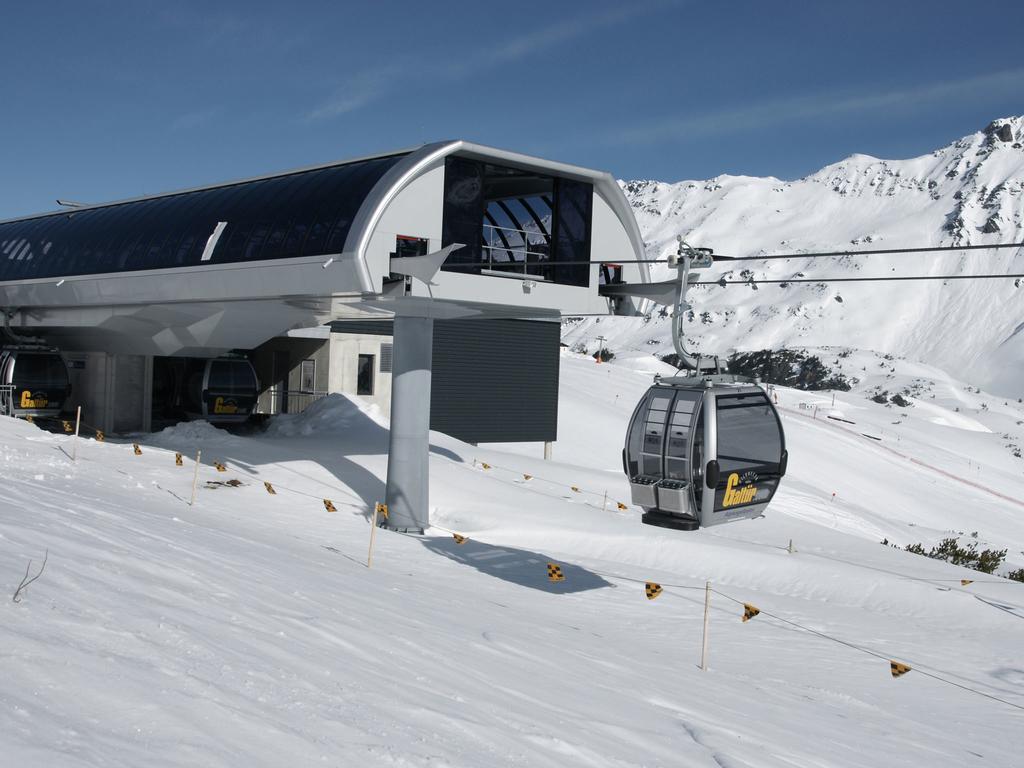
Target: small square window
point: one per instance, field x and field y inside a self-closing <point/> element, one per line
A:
<point x="364" y="377"/>
<point x="410" y="246"/>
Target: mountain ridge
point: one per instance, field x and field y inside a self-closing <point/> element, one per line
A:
<point x="969" y="192"/>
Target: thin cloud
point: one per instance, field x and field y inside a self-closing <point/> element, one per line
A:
<point x="525" y="45"/>
<point x="781" y="111"/>
<point x="191" y="120"/>
<point x="360" y="90"/>
<point x="372" y="84"/>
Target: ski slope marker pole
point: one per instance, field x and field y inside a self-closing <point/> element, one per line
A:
<point x="78" y="423"/>
<point x="195" y="477"/>
<point x="373" y="536"/>
<point x="707" y="614"/>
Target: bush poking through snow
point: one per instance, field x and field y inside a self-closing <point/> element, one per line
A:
<point x="968" y="556"/>
<point x="785" y="367"/>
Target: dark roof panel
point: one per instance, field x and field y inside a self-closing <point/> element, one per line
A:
<point x="306" y="213"/>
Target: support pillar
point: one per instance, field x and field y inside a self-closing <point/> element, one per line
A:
<point x="408" y="483"/>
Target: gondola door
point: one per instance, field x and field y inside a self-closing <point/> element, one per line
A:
<point x="643" y="457"/>
<point x="746" y="454"/>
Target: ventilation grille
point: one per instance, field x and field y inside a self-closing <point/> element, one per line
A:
<point x="385" y="357"/>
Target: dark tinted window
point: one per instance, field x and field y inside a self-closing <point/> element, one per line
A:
<point x="301" y="214"/>
<point x="463" y="211"/>
<point x="749" y="435"/>
<point x="40" y="371"/>
<point x="573" y="203"/>
<point x="231" y="376"/>
<point x="680" y="432"/>
<point x="364" y="378"/>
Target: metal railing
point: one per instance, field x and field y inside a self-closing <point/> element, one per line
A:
<point x="6" y="399"/>
<point x="507" y="249"/>
<point x="290" y="401"/>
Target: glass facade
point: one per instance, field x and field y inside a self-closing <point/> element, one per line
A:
<point x="516" y="222"/>
<point x="308" y="213"/>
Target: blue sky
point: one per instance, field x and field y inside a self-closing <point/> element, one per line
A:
<point x="104" y="100"/>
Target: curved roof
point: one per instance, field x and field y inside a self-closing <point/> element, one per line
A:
<point x="300" y="213"/>
<point x="317" y="211"/>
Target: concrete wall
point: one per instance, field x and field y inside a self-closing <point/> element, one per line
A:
<point x="115" y="391"/>
<point x="344" y="368"/>
<point x="296" y="350"/>
<point x="336" y="363"/>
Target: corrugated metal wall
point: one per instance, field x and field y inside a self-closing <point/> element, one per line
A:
<point x="493" y="380"/>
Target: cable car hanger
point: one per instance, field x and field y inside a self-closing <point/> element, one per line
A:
<point x="706" y="447"/>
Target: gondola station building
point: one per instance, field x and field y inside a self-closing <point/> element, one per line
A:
<point x="445" y="268"/>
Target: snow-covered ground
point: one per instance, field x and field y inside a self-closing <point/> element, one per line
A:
<point x="247" y="629"/>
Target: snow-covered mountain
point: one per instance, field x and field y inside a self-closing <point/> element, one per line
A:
<point x="969" y="192"/>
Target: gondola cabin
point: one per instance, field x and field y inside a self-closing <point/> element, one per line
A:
<point x="220" y="390"/>
<point x="223" y="390"/>
<point x="38" y="381"/>
<point x="702" y="451"/>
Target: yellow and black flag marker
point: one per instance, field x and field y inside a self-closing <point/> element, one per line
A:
<point x="622" y="507"/>
<point x="485" y="465"/>
<point x="270" y="488"/>
<point x="652" y="590"/>
<point x="965" y="582"/>
<point x="329" y="506"/>
<point x="459" y="539"/>
<point x="177" y="460"/>
<point x="527" y="477"/>
<point x="135" y="447"/>
<point x="749" y="611"/>
<point x="555" y="573"/>
<point x="382" y="510"/>
<point x="574" y="489"/>
<point x="220" y="467"/>
<point x="898" y="669"/>
<point x="99" y="436"/>
<point x="67" y="427"/>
